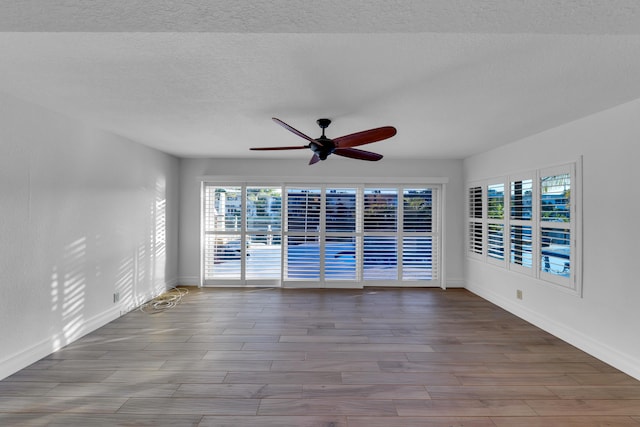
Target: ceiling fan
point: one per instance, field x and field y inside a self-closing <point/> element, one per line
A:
<point x="342" y="146"/>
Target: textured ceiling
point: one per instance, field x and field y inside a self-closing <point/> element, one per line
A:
<point x="203" y="78"/>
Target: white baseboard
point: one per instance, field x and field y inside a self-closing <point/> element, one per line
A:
<point x="188" y="281"/>
<point x="622" y="361"/>
<point x="22" y="359"/>
<point x="160" y="288"/>
<point x="455" y="283"/>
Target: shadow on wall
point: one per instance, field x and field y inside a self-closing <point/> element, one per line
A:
<point x="68" y="288"/>
<point x="123" y="262"/>
<point x="142" y="274"/>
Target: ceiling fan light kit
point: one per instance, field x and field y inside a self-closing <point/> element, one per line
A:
<point x="322" y="147"/>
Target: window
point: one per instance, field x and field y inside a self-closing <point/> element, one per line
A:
<point x="341" y="237"/>
<point x="320" y="234"/>
<point x="418" y="238"/>
<point x="302" y="233"/>
<point x="495" y="222"/>
<point x="380" y="234"/>
<point x="538" y="235"/>
<point x="475" y="221"/>
<point x="556" y="226"/>
<point x="521" y="224"/>
<point x="263" y="232"/>
<point x="223" y="219"/>
<point x="242" y="232"/>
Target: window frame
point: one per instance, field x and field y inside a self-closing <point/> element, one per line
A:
<point x="475" y="223"/>
<point x="571" y="283"/>
<point x="528" y="176"/>
<point x="435" y="234"/>
<point x="496" y="221"/>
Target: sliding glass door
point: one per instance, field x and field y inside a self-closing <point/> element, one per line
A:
<point x="242" y="235"/>
<point x="320" y="235"/>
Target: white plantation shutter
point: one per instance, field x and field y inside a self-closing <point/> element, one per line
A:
<point x="419" y="262"/>
<point x="380" y="260"/>
<point x="495" y="223"/>
<point x="315" y="234"/>
<point x="495" y="241"/>
<point x="534" y="228"/>
<point x="521" y="242"/>
<point x="475" y="222"/>
<point x="521" y="200"/>
<point x="341" y="241"/>
<point x="557" y="226"/>
<point x="222" y="244"/>
<point x="521" y="224"/>
<point x="264" y="228"/>
<point x="302" y="233"/>
<point x="419" y="234"/>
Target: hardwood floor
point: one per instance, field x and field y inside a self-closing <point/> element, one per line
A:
<point x="309" y="358"/>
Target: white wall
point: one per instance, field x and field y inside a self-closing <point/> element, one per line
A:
<point x="605" y="321"/>
<point x="334" y="168"/>
<point x="83" y="214"/>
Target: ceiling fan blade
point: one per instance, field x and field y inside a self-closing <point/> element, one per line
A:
<point x="354" y="153"/>
<point x="365" y="137"/>
<point x="290" y="129"/>
<point x="314" y="159"/>
<point x="295" y="147"/>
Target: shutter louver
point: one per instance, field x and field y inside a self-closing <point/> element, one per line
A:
<point x="475" y="202"/>
<point x="380" y="258"/>
<point x="555" y="220"/>
<point x="495" y="222"/>
<point x="418" y="219"/>
<point x="555" y="195"/>
<point x="380" y="240"/>
<point x="264" y="223"/>
<point x="222" y="244"/>
<point x="302" y="242"/>
<point x="340" y="234"/>
<point x="521" y="199"/>
<point x="475" y="237"/>
<point x="556" y="251"/>
<point x="495" y="241"/>
<point x="417" y="258"/>
<point x="521" y="225"/>
<point x="521" y="245"/>
<point x="475" y="233"/>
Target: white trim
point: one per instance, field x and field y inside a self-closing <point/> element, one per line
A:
<point x="436" y="233"/>
<point x="622" y="361"/>
<point x="455" y="283"/>
<point x="221" y="283"/>
<point x="578" y="227"/>
<point x="330" y="284"/>
<point x="442" y="223"/>
<point x="202" y="231"/>
<point x="188" y="281"/>
<point x="24" y="358"/>
<point x="294" y="180"/>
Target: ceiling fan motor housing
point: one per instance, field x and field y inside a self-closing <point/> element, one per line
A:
<point x="323" y="147"/>
<point x="324" y="123"/>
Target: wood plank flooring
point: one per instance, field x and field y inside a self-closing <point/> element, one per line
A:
<point x="376" y="357"/>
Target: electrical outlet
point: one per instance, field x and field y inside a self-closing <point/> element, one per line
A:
<point x="116" y="297"/>
<point x="519" y="294"/>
